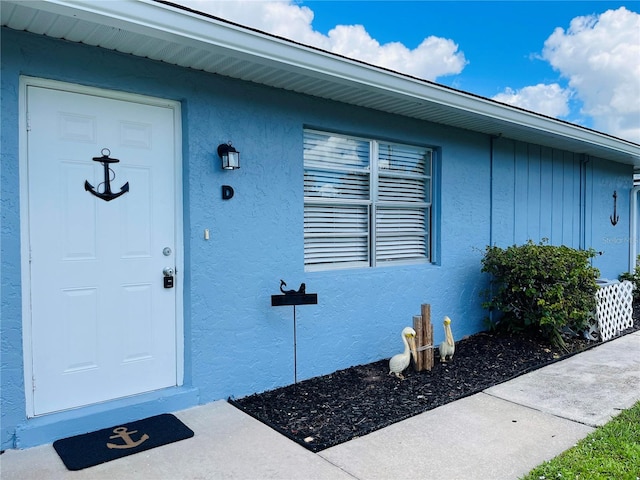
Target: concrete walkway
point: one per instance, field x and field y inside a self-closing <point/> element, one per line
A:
<point x="501" y="433"/>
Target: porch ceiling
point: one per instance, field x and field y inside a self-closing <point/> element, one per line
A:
<point x="172" y="34"/>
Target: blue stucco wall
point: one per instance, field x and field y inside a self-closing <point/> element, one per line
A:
<point x="235" y="342"/>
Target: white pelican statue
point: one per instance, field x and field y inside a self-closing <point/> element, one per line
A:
<point x="400" y="362"/>
<point x="448" y="347"/>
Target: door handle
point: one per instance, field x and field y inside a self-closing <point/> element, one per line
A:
<point x="168" y="271"/>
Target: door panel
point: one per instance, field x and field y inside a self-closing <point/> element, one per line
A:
<point x="102" y="325"/>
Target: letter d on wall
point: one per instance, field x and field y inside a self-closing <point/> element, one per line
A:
<point x="227" y="192"/>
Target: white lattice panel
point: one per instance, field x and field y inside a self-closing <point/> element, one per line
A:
<point x="614" y="309"/>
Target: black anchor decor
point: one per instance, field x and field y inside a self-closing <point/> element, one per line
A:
<point x="107" y="195"/>
<point x="615" y="217"/>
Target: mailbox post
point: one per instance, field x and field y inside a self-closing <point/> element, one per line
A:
<point x="294" y="298"/>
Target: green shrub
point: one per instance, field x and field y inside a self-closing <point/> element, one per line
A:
<point x="541" y="288"/>
<point x="633" y="278"/>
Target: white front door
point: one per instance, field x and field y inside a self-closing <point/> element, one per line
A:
<point x="103" y="325"/>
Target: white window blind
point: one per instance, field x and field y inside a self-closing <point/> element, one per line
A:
<point x="366" y="202"/>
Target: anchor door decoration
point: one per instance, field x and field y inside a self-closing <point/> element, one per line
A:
<point x="107" y="195"/>
<point x="615" y="217"/>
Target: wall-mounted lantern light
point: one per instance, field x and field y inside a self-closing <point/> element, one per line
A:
<point x="229" y="155"/>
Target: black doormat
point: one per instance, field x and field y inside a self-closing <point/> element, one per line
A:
<point x="104" y="445"/>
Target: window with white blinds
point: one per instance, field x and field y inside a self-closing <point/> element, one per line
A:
<point x="366" y="202"/>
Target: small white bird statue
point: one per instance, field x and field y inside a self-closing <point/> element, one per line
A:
<point x="448" y="347"/>
<point x="398" y="363"/>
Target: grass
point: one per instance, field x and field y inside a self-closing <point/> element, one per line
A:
<point x="611" y="452"/>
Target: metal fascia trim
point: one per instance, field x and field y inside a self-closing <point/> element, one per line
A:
<point x="164" y="21"/>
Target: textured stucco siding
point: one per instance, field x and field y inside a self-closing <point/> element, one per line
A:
<point x="236" y="343"/>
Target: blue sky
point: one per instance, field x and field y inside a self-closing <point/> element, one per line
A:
<point x="574" y="60"/>
<point x="500" y="40"/>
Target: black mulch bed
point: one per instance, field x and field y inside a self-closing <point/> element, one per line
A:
<point x="325" y="411"/>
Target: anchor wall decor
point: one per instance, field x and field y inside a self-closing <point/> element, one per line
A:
<point x="615" y="217"/>
<point x="107" y="195"/>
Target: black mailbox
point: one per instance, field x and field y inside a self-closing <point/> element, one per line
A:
<point x="294" y="299"/>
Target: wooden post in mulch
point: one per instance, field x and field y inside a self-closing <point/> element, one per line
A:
<point x="424" y="338"/>
<point x="417" y="326"/>
<point x="427" y="328"/>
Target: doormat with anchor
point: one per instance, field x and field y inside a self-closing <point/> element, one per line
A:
<point x="108" y="444"/>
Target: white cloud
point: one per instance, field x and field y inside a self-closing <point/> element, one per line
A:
<point x="551" y="100"/>
<point x="433" y="58"/>
<point x="600" y="56"/>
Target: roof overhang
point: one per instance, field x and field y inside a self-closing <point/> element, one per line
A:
<point x="176" y="35"/>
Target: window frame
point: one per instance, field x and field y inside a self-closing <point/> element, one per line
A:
<point x="373" y="204"/>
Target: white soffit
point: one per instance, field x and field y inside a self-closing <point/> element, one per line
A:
<point x="175" y="35"/>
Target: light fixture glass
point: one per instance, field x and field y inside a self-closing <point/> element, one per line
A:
<point x="229" y="155"/>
